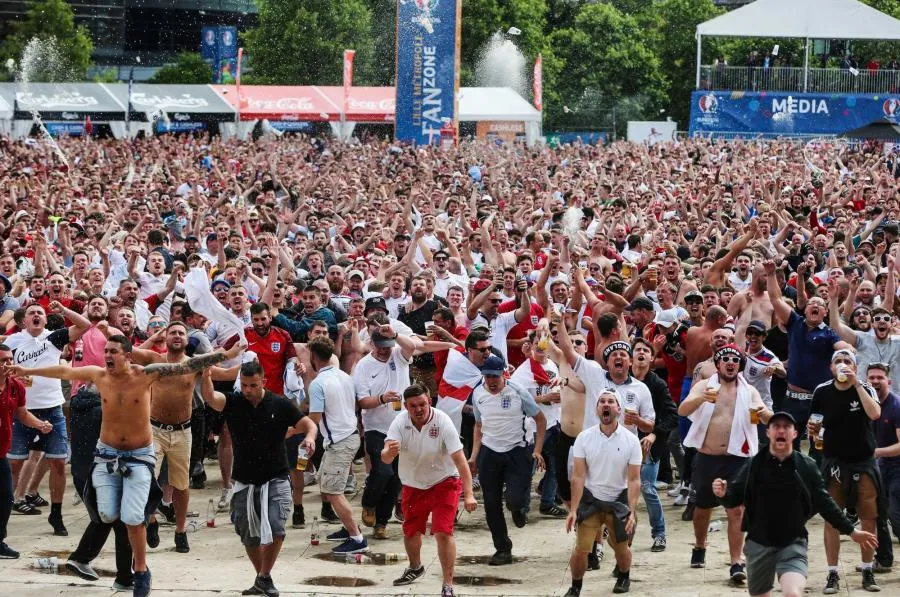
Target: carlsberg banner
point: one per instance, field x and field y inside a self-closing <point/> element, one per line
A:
<point x="787" y="114"/>
<point x="427" y="68"/>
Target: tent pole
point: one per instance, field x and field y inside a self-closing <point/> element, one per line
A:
<point x="806" y="67"/>
<point x="699" y="53"/>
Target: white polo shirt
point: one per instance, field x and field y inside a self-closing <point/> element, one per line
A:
<point x="43" y="350"/>
<point x="635" y="394"/>
<point x="593" y="376"/>
<point x="502" y="416"/>
<point x="499" y="327"/>
<point x="607" y="460"/>
<point x="371" y="377"/>
<point x="332" y="394"/>
<point x="425" y="454"/>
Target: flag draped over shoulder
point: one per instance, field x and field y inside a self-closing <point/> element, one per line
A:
<point x="201" y="300"/>
<point x="530" y="375"/>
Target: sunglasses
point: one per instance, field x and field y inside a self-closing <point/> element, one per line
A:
<point x="440" y="258"/>
<point x="484" y="350"/>
<point x="754" y="333"/>
<point x="727" y="359"/>
<point x="156" y="325"/>
<point x="884" y="318"/>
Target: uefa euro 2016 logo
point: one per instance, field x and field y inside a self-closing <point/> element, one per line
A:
<point x="890" y="107"/>
<point x="708" y="104"/>
<point x="426" y="10"/>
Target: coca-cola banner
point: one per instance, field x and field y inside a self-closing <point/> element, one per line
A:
<point x="274" y="103"/>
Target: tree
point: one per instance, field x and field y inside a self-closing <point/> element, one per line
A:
<point x="303" y="42"/>
<point x="602" y="60"/>
<point x="188" y="69"/>
<point x="64" y="48"/>
<point x="384" y="40"/>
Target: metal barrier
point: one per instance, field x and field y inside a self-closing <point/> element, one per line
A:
<point x="784" y="78"/>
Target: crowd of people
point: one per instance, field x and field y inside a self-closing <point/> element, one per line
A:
<point x="596" y="323"/>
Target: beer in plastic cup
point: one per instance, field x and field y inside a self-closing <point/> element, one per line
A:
<point x="815" y="419"/>
<point x="626" y="269"/>
<point x="842" y="373"/>
<point x="711" y="394"/>
<point x="754" y="416"/>
<point x="820" y="439"/>
<point x="398" y="405"/>
<point x="302" y="458"/>
<point x="630" y="416"/>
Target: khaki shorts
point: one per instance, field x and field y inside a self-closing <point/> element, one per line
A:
<point x="866" y="497"/>
<point x="589" y="528"/>
<point x="336" y="463"/>
<point x="176" y="447"/>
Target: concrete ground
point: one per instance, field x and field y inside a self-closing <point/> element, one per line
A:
<point x="217" y="564"/>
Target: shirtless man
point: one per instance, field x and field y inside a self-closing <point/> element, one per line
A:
<point x="171" y="402"/>
<point x="759" y="303"/>
<point x="125" y="458"/>
<point x="713" y="405"/>
<point x="706" y="369"/>
<point x="698" y="344"/>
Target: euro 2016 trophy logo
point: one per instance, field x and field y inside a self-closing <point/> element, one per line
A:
<point x="426" y="16"/>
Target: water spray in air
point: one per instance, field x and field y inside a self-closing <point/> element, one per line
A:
<point x="40" y="57"/>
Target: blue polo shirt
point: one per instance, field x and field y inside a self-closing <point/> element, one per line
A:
<point x="809" y="352"/>
<point x="886" y="427"/>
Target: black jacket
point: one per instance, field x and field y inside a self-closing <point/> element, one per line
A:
<point x="86" y="416"/>
<point x="742" y="490"/>
<point x="666" y="412"/>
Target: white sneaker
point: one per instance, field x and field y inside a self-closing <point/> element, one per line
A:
<point x="681" y="500"/>
<point x="661" y="485"/>
<point x="225" y="498"/>
<point x="676" y="490"/>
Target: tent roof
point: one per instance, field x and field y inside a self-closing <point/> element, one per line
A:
<point x="65" y="101"/>
<point x="274" y="102"/>
<point x="495" y="103"/>
<point x="6" y="103"/>
<point x="198" y="101"/>
<point x="813" y="19"/>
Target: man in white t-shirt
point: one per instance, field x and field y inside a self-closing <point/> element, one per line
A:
<point x="332" y="406"/>
<point x="433" y="471"/>
<point x="37" y="346"/>
<point x="484" y="310"/>
<point x="606" y="483"/>
<point x="380" y="378"/>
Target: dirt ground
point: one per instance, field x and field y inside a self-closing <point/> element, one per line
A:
<point x="217" y="564"/>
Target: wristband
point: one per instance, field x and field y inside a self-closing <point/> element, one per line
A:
<point x="381" y="398"/>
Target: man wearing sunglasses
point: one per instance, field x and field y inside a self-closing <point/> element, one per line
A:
<point x="878" y="347"/>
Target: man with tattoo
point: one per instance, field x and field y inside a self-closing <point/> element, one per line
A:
<point x="125" y="458"/>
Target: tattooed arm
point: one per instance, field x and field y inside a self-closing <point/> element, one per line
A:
<point x="195" y="364"/>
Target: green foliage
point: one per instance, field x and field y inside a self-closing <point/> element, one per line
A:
<point x="107" y="75"/>
<point x="482" y="18"/>
<point x="188" y="69"/>
<point x="304" y="42"/>
<point x="51" y="20"/>
<point x="384" y="40"/>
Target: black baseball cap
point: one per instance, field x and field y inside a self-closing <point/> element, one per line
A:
<point x="375" y="302"/>
<point x="785" y="416"/>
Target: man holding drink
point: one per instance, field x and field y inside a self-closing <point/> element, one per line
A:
<point x="724" y="411"/>
<point x="846" y="407"/>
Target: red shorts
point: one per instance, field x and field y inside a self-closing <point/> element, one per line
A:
<point x="441" y="501"/>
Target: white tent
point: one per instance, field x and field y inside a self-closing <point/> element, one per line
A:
<point x="804" y="19"/>
<point x="495" y="103"/>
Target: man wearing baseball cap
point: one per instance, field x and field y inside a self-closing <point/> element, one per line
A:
<point x="780" y="489"/>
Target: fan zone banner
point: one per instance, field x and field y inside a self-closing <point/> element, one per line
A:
<point x="428" y="38"/>
<point x="780" y="113"/>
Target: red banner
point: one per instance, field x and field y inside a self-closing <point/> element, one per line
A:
<point x="348" y="76"/>
<point x="539" y="83"/>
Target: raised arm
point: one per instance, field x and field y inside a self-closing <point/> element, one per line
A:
<point x="58" y="372"/>
<point x="195" y="364"/>
<point x="782" y="309"/>
<point x="834" y="317"/>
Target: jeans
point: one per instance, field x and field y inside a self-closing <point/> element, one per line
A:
<point x="548" y="489"/>
<point x="800" y="410"/>
<point x="651" y="498"/>
<point x="94" y="538"/>
<point x="890" y="485"/>
<point x="6" y="496"/>
<point x="123" y="497"/>
<point x="495" y="469"/>
<point x="383" y="483"/>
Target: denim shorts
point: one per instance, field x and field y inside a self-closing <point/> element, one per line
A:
<point x="123" y="497"/>
<point x="54" y="444"/>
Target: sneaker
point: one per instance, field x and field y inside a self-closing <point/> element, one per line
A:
<point x="76" y="500"/>
<point x="573" y="592"/>
<point x="698" y="557"/>
<point x="351" y="546"/>
<point x="681" y="500"/>
<point x="832" y="583"/>
<point x="143" y="582"/>
<point x="36" y="500"/>
<point x="659" y="544"/>
<point x="329" y="516"/>
<point x="409" y="575"/>
<point x="520" y="518"/>
<point x="661" y="486"/>
<point x="181" y="543"/>
<point x="675" y="491"/>
<point x="398" y="512"/>
<point x="338" y="536"/>
<point x="688" y="513"/>
<point x="877" y="567"/>
<point x="224" y="498"/>
<point x="266" y="586"/>
<point x="623" y="583"/>
<point x="738" y="573"/>
<point x="447" y="591"/>
<point x="615" y="571"/>
<point x="501" y="558"/>
<point x="198" y="481"/>
<point x="121" y="586"/>
<point x="7" y="552"/>
<point x="554" y="511"/>
<point x="593" y="562"/>
<point x="476" y="483"/>
<point x="83" y="570"/>
<point x="381" y="532"/>
<point x="253" y="590"/>
<point x="368" y="517"/>
<point x="350" y="487"/>
<point x="168" y="512"/>
<point x="23" y="507"/>
<point x="298" y="519"/>
<point x="869" y="584"/>
<point x="152" y="535"/>
<point x="59" y="529"/>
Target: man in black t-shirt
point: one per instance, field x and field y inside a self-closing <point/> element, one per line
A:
<point x="845" y="408"/>
<point x="259" y="421"/>
<point x="418" y="313"/>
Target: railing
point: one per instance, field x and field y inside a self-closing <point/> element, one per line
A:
<point x="786" y="78"/>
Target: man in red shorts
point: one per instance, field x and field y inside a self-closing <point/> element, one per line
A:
<point x="433" y="470"/>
